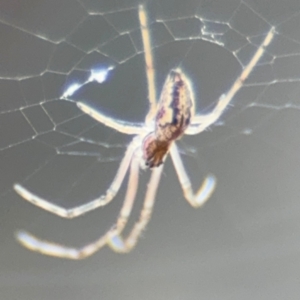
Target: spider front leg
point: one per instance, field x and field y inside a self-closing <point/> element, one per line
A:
<point x="33" y="243"/>
<point x="205" y="190"/>
<point x="150" y="72"/>
<point x="118" y="125"/>
<point x="71" y="213"/>
<point x="201" y="122"/>
<point x="116" y="242"/>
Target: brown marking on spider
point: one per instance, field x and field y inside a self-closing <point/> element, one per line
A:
<point x="176" y="105"/>
<point x="154" y="151"/>
<point x="175" y="108"/>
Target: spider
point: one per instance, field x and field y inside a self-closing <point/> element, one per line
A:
<point x="167" y="121"/>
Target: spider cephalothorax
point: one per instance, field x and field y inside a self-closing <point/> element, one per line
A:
<point x="154" y="150"/>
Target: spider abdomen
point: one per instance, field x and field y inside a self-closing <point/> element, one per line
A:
<point x="175" y="108"/>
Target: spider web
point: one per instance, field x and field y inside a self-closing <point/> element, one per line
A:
<point x="49" y="145"/>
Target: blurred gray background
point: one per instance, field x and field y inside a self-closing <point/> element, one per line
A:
<point x="245" y="242"/>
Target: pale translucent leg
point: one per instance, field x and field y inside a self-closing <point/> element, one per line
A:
<point x="117" y="243"/>
<point x="148" y="62"/>
<point x="201" y="122"/>
<point x="48" y="248"/>
<point x="121" y="126"/>
<point x="70" y="213"/>
<point x="205" y="190"/>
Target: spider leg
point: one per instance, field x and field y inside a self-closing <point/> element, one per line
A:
<point x="71" y="213"/>
<point x="149" y="62"/>
<point x="205" y="190"/>
<point x="116" y="242"/>
<point x="201" y="122"/>
<point x="118" y="125"/>
<point x="48" y="248"/>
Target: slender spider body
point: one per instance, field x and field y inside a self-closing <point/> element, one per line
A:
<point x="167" y="120"/>
<point x="174" y="112"/>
